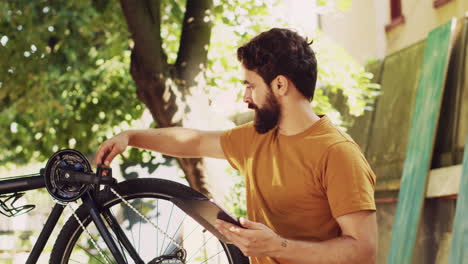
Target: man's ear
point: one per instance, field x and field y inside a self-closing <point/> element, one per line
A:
<point x="281" y="85"/>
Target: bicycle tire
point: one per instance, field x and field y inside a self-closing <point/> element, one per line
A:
<point x="142" y="188"/>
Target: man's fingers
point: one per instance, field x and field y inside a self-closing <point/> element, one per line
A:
<point x="99" y="155"/>
<point x="235" y="237"/>
<point x="227" y="228"/>
<point x="102" y="152"/>
<point x="111" y="155"/>
<point x="250" y="224"/>
<point x="248" y="245"/>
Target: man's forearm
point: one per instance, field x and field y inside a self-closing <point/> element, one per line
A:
<point x="171" y="141"/>
<point x="344" y="249"/>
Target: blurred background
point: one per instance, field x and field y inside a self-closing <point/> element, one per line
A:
<point x="75" y="73"/>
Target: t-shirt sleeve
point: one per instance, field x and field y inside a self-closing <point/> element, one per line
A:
<point x="348" y="179"/>
<point x="235" y="144"/>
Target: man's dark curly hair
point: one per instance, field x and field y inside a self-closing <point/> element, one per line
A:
<point x="281" y="52"/>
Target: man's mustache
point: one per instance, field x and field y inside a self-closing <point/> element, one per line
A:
<point x="252" y="106"/>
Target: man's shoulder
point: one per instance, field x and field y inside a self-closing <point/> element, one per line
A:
<point x="340" y="140"/>
<point x="329" y="137"/>
<point x="246" y="129"/>
<point x="335" y="142"/>
<point x="244" y="132"/>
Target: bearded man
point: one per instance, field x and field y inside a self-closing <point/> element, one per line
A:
<point x="310" y="190"/>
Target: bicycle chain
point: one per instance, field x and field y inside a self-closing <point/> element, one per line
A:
<point x="145" y="218"/>
<point x="70" y="207"/>
<point x="73" y="210"/>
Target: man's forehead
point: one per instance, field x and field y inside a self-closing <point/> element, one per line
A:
<point x="248" y="76"/>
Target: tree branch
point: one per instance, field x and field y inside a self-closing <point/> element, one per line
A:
<point x="150" y="70"/>
<point x="144" y="19"/>
<point x="194" y="41"/>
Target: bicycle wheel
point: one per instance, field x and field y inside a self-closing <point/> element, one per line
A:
<point x="184" y="241"/>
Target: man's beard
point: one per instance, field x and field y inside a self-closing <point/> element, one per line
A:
<point x="267" y="117"/>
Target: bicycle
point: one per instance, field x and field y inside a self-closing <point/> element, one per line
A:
<point x="118" y="211"/>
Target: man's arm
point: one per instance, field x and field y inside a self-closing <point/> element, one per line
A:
<point x="171" y="141"/>
<point x="357" y="244"/>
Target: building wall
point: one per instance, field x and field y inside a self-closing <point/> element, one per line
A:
<point x="383" y="136"/>
<point x="432" y="245"/>
<point x="420" y="18"/>
<point x="359" y="30"/>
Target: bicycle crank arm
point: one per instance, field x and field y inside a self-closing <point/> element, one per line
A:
<point x="70" y="176"/>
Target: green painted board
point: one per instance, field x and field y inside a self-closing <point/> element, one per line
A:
<point x="421" y="142"/>
<point x="459" y="248"/>
<point x="389" y="133"/>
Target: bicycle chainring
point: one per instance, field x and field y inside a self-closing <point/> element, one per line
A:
<point x="68" y="159"/>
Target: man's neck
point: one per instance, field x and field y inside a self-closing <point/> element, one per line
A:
<point x="296" y="118"/>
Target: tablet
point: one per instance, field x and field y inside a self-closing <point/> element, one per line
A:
<point x="205" y="211"/>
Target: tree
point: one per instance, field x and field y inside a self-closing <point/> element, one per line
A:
<point x="150" y="68"/>
<point x="65" y="80"/>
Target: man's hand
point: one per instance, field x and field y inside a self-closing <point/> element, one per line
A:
<point x="357" y="244"/>
<point x="111" y="148"/>
<point x="254" y="239"/>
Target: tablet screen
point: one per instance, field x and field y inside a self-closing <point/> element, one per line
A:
<point x="205" y="211"/>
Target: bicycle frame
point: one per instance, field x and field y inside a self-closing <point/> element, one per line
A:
<point x="36" y="181"/>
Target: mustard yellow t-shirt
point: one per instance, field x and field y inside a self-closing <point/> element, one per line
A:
<point x="297" y="185"/>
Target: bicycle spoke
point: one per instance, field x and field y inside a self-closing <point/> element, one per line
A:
<point x="212" y="256"/>
<point x="139" y="230"/>
<point x="182" y="242"/>
<point x="167" y="227"/>
<point x="175" y="233"/>
<point x="196" y="251"/>
<point x="131" y="230"/>
<point x="157" y="223"/>
<point x="86" y="231"/>
<point x="115" y="238"/>
<point x="89" y="254"/>
<point x="141" y="205"/>
<point x="123" y="251"/>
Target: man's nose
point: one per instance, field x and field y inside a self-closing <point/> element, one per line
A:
<point x="247" y="96"/>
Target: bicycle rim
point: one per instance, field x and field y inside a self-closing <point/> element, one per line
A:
<point x="149" y="197"/>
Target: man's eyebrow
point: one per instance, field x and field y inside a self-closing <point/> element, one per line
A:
<point x="246" y="82"/>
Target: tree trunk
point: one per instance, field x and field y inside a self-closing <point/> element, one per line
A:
<point x="151" y="72"/>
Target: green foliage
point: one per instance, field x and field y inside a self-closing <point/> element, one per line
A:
<point x="338" y="71"/>
<point x="236" y="202"/>
<point x="171" y="26"/>
<point x="340" y="5"/>
<point x="65" y="82"/>
<point x="64" y="77"/>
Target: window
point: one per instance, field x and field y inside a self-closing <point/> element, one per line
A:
<point x="439" y="3"/>
<point x="396" y="17"/>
